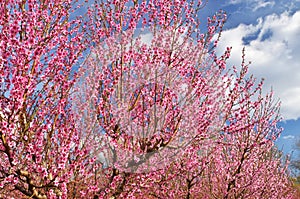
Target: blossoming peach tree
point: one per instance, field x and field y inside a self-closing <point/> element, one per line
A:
<point x="130" y="100"/>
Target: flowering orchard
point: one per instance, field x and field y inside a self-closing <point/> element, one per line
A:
<point x="130" y="100"/>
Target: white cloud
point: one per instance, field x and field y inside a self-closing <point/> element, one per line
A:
<point x="262" y="4"/>
<point x="288" y="137"/>
<point x="274" y="52"/>
<point x="233" y="2"/>
<point x="253" y="4"/>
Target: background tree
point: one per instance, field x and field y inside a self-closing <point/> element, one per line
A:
<point x="296" y="163"/>
<point x="153" y="111"/>
<point x="295" y="167"/>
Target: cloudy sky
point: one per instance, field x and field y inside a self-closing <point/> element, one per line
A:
<point x="270" y="32"/>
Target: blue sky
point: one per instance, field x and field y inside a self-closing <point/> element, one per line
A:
<point x="270" y="31"/>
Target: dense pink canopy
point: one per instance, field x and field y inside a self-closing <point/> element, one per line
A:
<point x="130" y="100"/>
